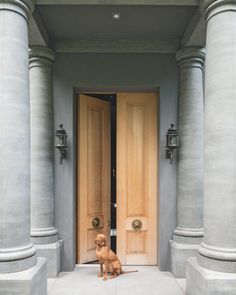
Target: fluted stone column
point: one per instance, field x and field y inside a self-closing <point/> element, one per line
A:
<point x="21" y="272"/>
<point x="214" y="269"/>
<point x="43" y="232"/>
<point x="189" y="232"/>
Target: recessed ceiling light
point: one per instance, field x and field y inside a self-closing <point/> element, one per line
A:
<point x="116" y="16"/>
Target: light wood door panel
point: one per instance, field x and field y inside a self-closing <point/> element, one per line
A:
<point x="137" y="177"/>
<point x="93" y="174"/>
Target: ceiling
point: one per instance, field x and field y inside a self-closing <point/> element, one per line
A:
<point x="92" y="28"/>
<point x="87" y="22"/>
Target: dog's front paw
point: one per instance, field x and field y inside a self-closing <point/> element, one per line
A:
<point x="99" y="274"/>
<point x="105" y="278"/>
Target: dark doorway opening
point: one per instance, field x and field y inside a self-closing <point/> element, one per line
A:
<point x="111" y="97"/>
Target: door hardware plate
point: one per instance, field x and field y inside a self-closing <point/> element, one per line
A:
<point x="96" y="222"/>
<point x="137" y="224"/>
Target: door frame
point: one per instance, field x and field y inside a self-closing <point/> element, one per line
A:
<point x="76" y="92"/>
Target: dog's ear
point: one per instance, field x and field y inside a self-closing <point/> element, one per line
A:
<point x="104" y="239"/>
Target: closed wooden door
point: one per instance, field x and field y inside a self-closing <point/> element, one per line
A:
<point x="137" y="178"/>
<point x="93" y="175"/>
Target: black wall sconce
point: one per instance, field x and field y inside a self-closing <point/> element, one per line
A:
<point x="61" y="136"/>
<point x="172" y="142"/>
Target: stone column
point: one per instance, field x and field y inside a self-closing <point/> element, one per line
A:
<point x="188" y="234"/>
<point x="214" y="269"/>
<point x="20" y="270"/>
<point x="43" y="232"/>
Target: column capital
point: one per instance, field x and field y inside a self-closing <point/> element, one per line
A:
<point x="29" y="4"/>
<point x="41" y="56"/>
<point x="26" y="5"/>
<point x="213" y="7"/>
<point x="191" y="56"/>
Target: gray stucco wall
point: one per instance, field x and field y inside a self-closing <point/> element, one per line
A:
<point x="94" y="72"/>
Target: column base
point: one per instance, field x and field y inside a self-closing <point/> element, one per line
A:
<point x="179" y="256"/>
<point x="44" y="236"/>
<point x="202" y="281"/>
<point x="32" y="281"/>
<point x="52" y="253"/>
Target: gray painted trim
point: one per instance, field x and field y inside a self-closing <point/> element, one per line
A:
<point x="195" y="34"/>
<point x="75" y="157"/>
<point x="116" y="89"/>
<point x="116" y="45"/>
<point x="76" y="93"/>
<point x="119" y="2"/>
<point x="35" y="37"/>
<point x="41" y="26"/>
<point x="38" y="34"/>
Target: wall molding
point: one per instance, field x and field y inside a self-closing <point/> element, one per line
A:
<point x="116" y="46"/>
<point x="195" y="34"/>
<point x="38" y="34"/>
<point x="119" y="2"/>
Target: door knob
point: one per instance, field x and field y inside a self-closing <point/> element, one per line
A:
<point x="96" y="222"/>
<point x="137" y="224"/>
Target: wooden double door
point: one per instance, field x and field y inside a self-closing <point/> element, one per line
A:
<point x="136" y="176"/>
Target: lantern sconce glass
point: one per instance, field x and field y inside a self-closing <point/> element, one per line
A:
<point x="172" y="142"/>
<point x="61" y="137"/>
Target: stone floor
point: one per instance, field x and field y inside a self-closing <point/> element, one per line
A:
<point x="148" y="280"/>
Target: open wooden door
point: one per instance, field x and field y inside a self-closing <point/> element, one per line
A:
<point x="93" y="175"/>
<point x="137" y="178"/>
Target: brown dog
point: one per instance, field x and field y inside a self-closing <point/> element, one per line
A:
<point x="108" y="259"/>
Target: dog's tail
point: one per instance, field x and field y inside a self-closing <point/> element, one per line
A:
<point x="128" y="271"/>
